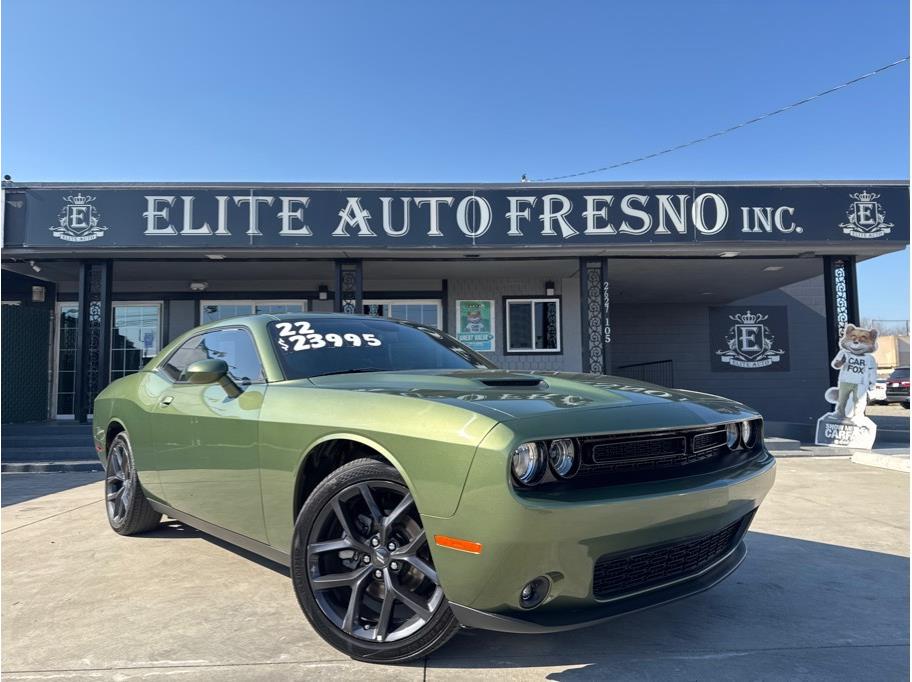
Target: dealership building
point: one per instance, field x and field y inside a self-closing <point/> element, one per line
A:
<point x="734" y="288"/>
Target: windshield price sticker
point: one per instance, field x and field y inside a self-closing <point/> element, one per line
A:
<point x="300" y="335"/>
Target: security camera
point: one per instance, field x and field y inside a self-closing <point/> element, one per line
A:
<point x="35" y="267"/>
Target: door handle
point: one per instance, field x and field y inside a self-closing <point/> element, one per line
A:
<point x="164" y="402"/>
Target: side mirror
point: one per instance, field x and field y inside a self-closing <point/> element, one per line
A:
<point x="212" y="372"/>
<point x="206" y="371"/>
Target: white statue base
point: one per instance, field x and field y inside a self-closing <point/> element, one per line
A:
<point x="858" y="432"/>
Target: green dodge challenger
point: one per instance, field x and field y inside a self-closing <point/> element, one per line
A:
<point x="412" y="487"/>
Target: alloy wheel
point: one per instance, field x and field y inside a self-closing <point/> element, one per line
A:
<point x="118" y="483"/>
<point x="369" y="564"/>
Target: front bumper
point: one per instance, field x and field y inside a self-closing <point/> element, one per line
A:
<point x="570" y="620"/>
<point x="562" y="537"/>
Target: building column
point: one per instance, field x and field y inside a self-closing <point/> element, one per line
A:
<point x="93" y="335"/>
<point x="595" y="333"/>
<point x="348" y="290"/>
<point x="841" y="287"/>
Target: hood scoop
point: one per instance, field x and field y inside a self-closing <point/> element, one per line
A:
<point x="512" y="381"/>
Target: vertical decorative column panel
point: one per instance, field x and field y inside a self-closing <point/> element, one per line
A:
<point x="348" y="293"/>
<point x="594" y="316"/>
<point x="841" y="292"/>
<point x="93" y="337"/>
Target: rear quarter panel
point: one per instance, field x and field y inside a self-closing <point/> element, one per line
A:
<point x="431" y="444"/>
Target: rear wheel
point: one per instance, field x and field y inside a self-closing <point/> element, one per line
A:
<point x="128" y="510"/>
<point x="362" y="568"/>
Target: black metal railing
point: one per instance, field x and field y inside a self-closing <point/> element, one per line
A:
<point x="660" y="372"/>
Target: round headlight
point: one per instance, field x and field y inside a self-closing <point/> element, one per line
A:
<point x="562" y="455"/>
<point x="528" y="463"/>
<point x="747" y="434"/>
<point x="731" y="436"/>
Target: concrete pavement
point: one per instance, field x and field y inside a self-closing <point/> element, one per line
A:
<point x="823" y="595"/>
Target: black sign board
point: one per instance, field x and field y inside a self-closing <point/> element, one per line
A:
<point x="749" y="338"/>
<point x="354" y="217"/>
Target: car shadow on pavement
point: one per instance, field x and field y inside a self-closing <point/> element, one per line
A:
<point x="794" y="609"/>
<point x="173" y="529"/>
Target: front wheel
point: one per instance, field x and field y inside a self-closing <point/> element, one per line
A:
<point x="362" y="568"/>
<point x="129" y="511"/>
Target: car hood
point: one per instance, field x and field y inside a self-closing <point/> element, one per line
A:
<point x="505" y="395"/>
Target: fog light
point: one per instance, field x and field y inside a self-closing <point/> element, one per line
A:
<point x="562" y="455"/>
<point x="731" y="436"/>
<point x="528" y="463"/>
<point x="534" y="592"/>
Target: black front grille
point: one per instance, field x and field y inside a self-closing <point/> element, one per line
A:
<point x="664" y="454"/>
<point x="623" y="452"/>
<point x="629" y="572"/>
<point x="708" y="440"/>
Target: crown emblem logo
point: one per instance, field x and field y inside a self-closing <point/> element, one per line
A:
<point x="866" y="217"/>
<point x="750" y="344"/>
<point x="78" y="220"/>
<point x="748" y="317"/>
<point x="79" y="200"/>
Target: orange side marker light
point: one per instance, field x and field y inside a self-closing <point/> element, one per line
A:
<point x="456" y="543"/>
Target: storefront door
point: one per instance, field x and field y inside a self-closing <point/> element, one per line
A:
<point x="135" y="339"/>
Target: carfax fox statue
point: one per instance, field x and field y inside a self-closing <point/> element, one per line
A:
<point x="857" y="371"/>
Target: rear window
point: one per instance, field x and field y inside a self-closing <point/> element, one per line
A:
<point x="900" y="373"/>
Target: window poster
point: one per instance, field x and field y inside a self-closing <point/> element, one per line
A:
<point x="475" y="324"/>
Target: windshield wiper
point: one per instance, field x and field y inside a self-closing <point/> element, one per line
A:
<point x="356" y="370"/>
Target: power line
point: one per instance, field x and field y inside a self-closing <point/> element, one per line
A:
<point x="719" y="133"/>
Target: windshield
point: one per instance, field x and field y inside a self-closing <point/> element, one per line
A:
<point x="321" y="346"/>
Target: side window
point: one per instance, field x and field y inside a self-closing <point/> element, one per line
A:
<point x="183" y="357"/>
<point x="235" y="347"/>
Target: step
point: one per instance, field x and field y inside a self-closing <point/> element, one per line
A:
<point x="58" y="440"/>
<point x="774" y="443"/>
<point x="47" y="454"/>
<point x="49" y="467"/>
<point x="49" y="428"/>
<point x="882" y="461"/>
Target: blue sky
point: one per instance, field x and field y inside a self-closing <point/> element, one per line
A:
<point x="474" y="91"/>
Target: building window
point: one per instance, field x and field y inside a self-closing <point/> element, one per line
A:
<point x="533" y="325"/>
<point x="213" y="311"/>
<point x="135" y="337"/>
<point x="426" y="312"/>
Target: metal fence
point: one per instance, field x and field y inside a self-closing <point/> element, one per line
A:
<point x="660" y="372"/>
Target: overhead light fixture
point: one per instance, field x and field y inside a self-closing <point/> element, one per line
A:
<point x="471" y="255"/>
<point x="36" y="268"/>
<point x="199" y="286"/>
<point x="706" y="293"/>
<point x="729" y="254"/>
<point x="549" y="288"/>
<point x="215" y="256"/>
<point x="772" y="268"/>
<point x="806" y="254"/>
<point x="323" y="292"/>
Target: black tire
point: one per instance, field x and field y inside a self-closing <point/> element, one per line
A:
<point x="906" y="404"/>
<point x="127" y="508"/>
<point x="363" y="630"/>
